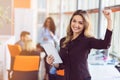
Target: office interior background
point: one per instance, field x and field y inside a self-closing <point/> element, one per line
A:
<point x="29" y="15"/>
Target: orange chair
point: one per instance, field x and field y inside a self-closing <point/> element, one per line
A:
<point x="26" y="68"/>
<point x="26" y="63"/>
<point x="60" y="72"/>
<point x="14" y="49"/>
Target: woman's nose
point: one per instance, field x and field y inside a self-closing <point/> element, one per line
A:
<point x="76" y="24"/>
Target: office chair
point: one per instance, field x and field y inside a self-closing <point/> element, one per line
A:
<point x="26" y="68"/>
<point x="22" y="67"/>
<point x="60" y="72"/>
<point x="14" y="50"/>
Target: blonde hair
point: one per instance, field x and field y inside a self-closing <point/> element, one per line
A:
<point x="87" y="26"/>
<point x="29" y="46"/>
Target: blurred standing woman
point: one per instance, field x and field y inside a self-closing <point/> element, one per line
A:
<point x="75" y="47"/>
<point x="47" y="35"/>
<point x="47" y="32"/>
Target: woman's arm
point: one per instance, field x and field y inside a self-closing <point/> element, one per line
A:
<point x="99" y="43"/>
<point x="107" y="14"/>
<point x="105" y="43"/>
<point x="54" y="37"/>
<point x="40" y="35"/>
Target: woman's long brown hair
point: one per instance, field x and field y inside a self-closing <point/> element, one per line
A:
<point x="52" y="26"/>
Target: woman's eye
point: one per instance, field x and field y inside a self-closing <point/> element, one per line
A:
<point x="81" y="22"/>
<point x="74" y="21"/>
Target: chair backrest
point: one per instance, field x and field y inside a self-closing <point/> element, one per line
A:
<point x="14" y="49"/>
<point x="26" y="63"/>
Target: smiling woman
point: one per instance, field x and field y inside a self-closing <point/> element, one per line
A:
<point x="76" y="46"/>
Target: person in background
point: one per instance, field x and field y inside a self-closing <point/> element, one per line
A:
<point x="76" y="46"/>
<point x="47" y="35"/>
<point x="29" y="49"/>
<point x="43" y="65"/>
<point x="47" y="32"/>
<point x="24" y="36"/>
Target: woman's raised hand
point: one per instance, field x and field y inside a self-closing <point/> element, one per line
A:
<point x="107" y="14"/>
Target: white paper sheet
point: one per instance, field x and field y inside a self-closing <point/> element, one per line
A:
<point x="51" y="50"/>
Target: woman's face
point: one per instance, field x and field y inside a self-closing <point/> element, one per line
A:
<point x="77" y="24"/>
<point x="48" y="23"/>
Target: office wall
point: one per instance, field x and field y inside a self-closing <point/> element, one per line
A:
<point x="24" y="18"/>
<point x="22" y="3"/>
<point x="5" y="17"/>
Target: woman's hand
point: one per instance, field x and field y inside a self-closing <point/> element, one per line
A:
<point x="107" y="14"/>
<point x="51" y="33"/>
<point x="50" y="59"/>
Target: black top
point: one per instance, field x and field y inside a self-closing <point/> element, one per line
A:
<point x="75" y="55"/>
<point x="29" y="53"/>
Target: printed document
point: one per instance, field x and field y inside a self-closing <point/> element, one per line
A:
<point x="51" y="50"/>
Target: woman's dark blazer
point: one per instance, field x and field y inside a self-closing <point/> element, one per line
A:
<point x="75" y="55"/>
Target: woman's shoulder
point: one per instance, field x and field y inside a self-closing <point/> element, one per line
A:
<point x="62" y="39"/>
<point x="29" y="53"/>
<point x="35" y="53"/>
<point x="24" y="52"/>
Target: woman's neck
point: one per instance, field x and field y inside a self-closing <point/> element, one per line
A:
<point x="75" y="35"/>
